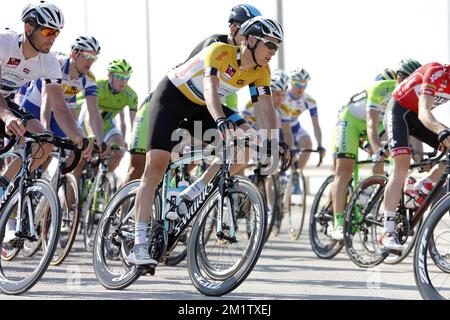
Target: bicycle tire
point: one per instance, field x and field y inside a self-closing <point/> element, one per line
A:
<point x="224" y="281"/>
<point x="17" y="287"/>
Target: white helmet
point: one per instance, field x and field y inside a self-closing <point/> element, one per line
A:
<point x="280" y="81"/>
<point x="260" y="27"/>
<point x="44" y="14"/>
<point x="86" y="43"/>
<point x="300" y="74"/>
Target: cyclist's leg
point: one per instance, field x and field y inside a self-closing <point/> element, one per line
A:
<point x="168" y="107"/>
<point x="114" y="137"/>
<point x="138" y="143"/>
<point x="347" y="142"/>
<point x="398" y="129"/>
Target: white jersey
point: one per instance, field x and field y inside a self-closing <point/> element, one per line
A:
<point x="71" y="87"/>
<point x="16" y="71"/>
<point x="298" y="106"/>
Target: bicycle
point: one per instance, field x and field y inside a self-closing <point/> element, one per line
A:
<point x="364" y="219"/>
<point x="432" y="244"/>
<point x="321" y="218"/>
<point x="214" y="233"/>
<point x="23" y="202"/>
<point x="102" y="188"/>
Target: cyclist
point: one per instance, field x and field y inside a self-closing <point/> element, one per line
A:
<point x="24" y="58"/>
<point x="279" y="86"/>
<point x="76" y="77"/>
<point x="409" y="112"/>
<point x="238" y="15"/>
<point x="114" y="94"/>
<point x="193" y="91"/>
<point x="361" y="117"/>
<point x="299" y="101"/>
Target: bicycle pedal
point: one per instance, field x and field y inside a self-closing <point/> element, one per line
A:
<point x="148" y="269"/>
<point x="395" y="252"/>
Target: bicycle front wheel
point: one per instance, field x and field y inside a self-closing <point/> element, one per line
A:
<point x="432" y="254"/>
<point x="217" y="266"/>
<point x="25" y="260"/>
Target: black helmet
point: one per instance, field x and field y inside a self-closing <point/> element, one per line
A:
<point x="243" y="12"/>
<point x="408" y="66"/>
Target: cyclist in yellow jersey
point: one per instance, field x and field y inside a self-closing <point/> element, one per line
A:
<point x="192" y="91"/>
<point x="238" y="15"/>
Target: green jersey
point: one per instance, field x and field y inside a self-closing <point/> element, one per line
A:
<point x="374" y="97"/>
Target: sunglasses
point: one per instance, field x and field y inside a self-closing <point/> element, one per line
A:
<point x="89" y="56"/>
<point x="269" y="44"/>
<point x="119" y="76"/>
<point x="299" y="84"/>
<point x="48" y="32"/>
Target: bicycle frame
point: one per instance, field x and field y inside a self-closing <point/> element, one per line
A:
<point x="177" y="228"/>
<point x="445" y="178"/>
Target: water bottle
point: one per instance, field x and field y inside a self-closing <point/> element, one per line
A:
<point x="181" y="205"/>
<point x="410" y="192"/>
<point x="423" y="193"/>
<point x="172" y="198"/>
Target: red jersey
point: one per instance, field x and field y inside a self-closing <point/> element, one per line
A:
<point x="431" y="79"/>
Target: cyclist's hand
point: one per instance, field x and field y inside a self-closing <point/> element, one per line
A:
<point x="226" y="127"/>
<point x="444" y="138"/>
<point x="381" y="154"/>
<point x="322" y="151"/>
<point x="14" y="126"/>
<point x="87" y="153"/>
<point x="285" y="155"/>
<point x="105" y="150"/>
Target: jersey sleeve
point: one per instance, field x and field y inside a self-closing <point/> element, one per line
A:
<point x="133" y="101"/>
<point x="312" y="106"/>
<point x="431" y="79"/>
<point x="214" y="59"/>
<point x="261" y="86"/>
<point x="52" y="72"/>
<point x="90" y="85"/>
<point x="3" y="50"/>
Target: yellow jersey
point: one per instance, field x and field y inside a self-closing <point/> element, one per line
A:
<point x="222" y="61"/>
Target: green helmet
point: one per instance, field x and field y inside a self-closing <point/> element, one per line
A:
<point x="408" y="66"/>
<point x="120" y="66"/>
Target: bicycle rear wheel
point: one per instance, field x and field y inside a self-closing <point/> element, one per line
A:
<point x="218" y="266"/>
<point x="97" y="200"/>
<point x="296" y="204"/>
<point x="69" y="198"/>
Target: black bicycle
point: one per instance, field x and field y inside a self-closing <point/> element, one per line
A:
<point x="102" y="188"/>
<point x="221" y="251"/>
<point x="32" y="206"/>
<point x="364" y="218"/>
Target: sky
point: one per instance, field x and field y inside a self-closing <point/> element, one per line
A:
<point x="343" y="44"/>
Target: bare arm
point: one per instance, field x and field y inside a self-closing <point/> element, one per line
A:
<point x="287" y="133"/>
<point x="426" y="104"/>
<point x="266" y="116"/>
<point x="46" y="109"/>
<point x="317" y="130"/>
<point x="212" y="99"/>
<point x="372" y="117"/>
<point x="93" y="118"/>
<point x="62" y="114"/>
